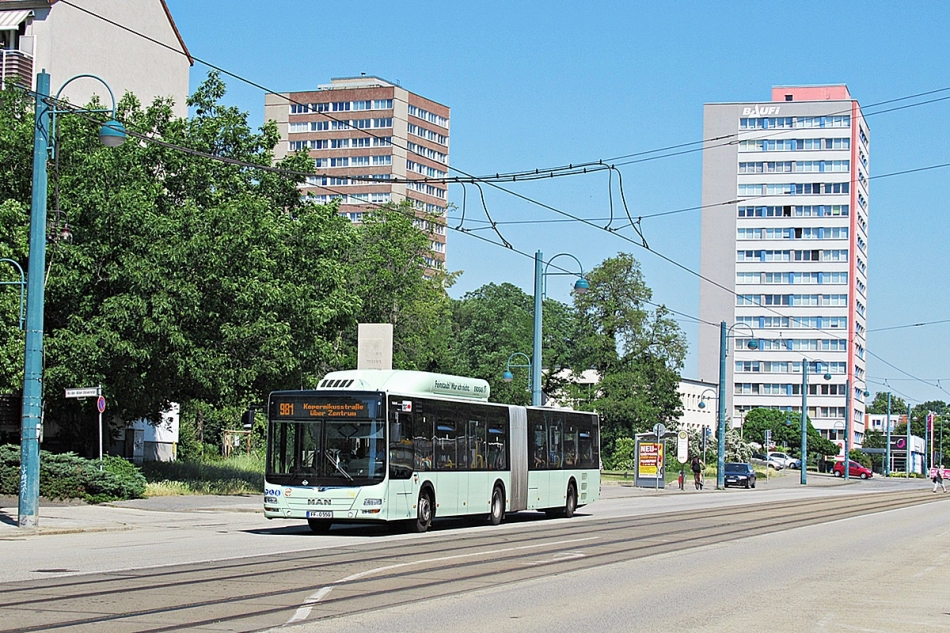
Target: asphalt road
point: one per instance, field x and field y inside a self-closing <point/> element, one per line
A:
<point x="715" y="560"/>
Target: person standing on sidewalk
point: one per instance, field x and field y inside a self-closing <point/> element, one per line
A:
<point x="938" y="478"/>
<point x="697" y="467"/>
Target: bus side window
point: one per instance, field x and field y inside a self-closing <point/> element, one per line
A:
<point x="478" y="455"/>
<point x="445" y="445"/>
<point x="539" y="458"/>
<point x="422" y="440"/>
<point x="555" y="457"/>
<point x="587" y="445"/>
<point x="497" y="446"/>
<point x="570" y="445"/>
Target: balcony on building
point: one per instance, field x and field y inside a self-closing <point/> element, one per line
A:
<point x="16" y="49"/>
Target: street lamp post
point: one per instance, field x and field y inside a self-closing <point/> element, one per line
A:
<point x="724" y="335"/>
<point x="112" y="134"/>
<point x="818" y="363"/>
<point x="847" y="428"/>
<point x="702" y="405"/>
<point x="507" y="376"/>
<point x="540" y="272"/>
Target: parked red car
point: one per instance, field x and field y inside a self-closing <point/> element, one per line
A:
<point x="854" y="470"/>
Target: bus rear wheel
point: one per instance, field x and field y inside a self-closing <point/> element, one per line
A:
<point x="423" y="513"/>
<point x="497" y="506"/>
<point x="319" y="526"/>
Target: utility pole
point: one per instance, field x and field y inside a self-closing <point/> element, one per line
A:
<point x="909" y="451"/>
<point x="887" y="440"/>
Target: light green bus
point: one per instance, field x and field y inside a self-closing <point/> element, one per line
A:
<point x="389" y="445"/>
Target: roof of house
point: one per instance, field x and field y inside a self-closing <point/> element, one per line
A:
<point x="6" y="5"/>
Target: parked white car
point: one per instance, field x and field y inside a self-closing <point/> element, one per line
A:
<point x="786" y="460"/>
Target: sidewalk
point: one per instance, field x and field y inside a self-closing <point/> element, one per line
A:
<point x="65" y="517"/>
<point x="784" y="479"/>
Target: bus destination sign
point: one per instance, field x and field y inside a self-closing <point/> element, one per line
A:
<point x="322" y="409"/>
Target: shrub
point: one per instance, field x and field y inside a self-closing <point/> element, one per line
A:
<point x="862" y="458"/>
<point x="624" y="457"/>
<point x="68" y="476"/>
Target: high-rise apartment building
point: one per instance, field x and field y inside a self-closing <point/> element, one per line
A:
<point x="372" y="142"/>
<point x="785" y="235"/>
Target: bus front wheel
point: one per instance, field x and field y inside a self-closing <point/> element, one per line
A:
<point x="571" y="504"/>
<point x="497" y="506"/>
<point x="423" y="513"/>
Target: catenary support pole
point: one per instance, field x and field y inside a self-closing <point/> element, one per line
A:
<point x="887" y="439"/>
<point x="804" y="472"/>
<point x="721" y="433"/>
<point x="846" y="464"/>
<point x="32" y="418"/>
<point x="536" y="351"/>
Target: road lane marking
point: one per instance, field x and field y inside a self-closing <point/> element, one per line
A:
<point x="304" y="611"/>
<point x="563" y="556"/>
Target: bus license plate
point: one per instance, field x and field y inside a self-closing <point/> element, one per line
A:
<point x="319" y="514"/>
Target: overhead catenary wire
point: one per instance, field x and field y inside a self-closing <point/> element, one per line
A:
<point x="909" y="325"/>
<point x="575" y="168"/>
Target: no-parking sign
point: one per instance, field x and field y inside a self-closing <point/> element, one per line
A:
<point x="101" y="404"/>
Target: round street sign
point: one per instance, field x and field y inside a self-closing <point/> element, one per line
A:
<point x="101" y="404"/>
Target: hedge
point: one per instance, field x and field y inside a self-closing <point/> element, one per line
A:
<point x="68" y="476"/>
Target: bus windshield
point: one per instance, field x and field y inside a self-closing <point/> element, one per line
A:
<point x="327" y="451"/>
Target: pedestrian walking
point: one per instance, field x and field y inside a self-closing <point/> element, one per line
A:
<point x="697" y="467"/>
<point x="938" y="479"/>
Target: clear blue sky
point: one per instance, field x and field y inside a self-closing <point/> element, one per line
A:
<point x="539" y="84"/>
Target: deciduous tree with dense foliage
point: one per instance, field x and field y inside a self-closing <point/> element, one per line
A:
<point x="786" y="427"/>
<point x="638" y="352"/>
<point x="192" y="280"/>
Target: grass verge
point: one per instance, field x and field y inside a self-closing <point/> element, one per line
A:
<point x="237" y="475"/>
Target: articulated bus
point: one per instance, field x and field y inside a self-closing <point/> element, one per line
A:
<point x="388" y="445"/>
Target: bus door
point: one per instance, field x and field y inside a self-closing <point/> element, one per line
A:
<point x="403" y="487"/>
<point x="518" y="494"/>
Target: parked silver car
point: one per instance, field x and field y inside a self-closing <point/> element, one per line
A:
<point x="786" y="460"/>
<point x="761" y="460"/>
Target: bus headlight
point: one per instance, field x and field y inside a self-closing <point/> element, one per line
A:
<point x="270" y="499"/>
<point x="372" y="502"/>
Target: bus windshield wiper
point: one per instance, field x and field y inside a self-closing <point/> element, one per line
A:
<point x="336" y="465"/>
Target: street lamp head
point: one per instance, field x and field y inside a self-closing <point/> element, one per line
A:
<point x="827" y="376"/>
<point x="752" y="344"/>
<point x="507" y="376"/>
<point x="112" y="133"/>
<point x="702" y="405"/>
<point x="581" y="286"/>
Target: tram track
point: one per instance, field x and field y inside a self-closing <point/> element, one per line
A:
<point x="409" y="571"/>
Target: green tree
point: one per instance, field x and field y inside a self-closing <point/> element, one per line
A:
<point x="637" y="352"/>
<point x="786" y="431"/>
<point x="389" y="274"/>
<point x="186" y="279"/>
<point x="879" y="404"/>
